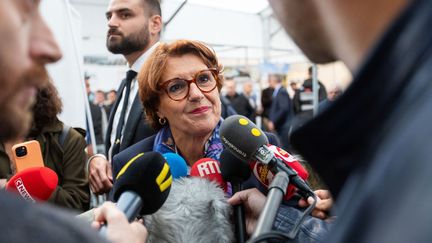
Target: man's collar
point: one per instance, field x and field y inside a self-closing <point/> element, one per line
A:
<point x="136" y="66"/>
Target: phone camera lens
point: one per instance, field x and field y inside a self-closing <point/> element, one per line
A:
<point x="21" y="151"/>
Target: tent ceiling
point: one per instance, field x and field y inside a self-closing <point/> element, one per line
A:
<point x="238" y="30"/>
<point x="245" y="6"/>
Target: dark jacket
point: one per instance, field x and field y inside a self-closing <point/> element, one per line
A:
<point x="266" y="101"/>
<point x="242" y="106"/>
<point x="68" y="161"/>
<point x="226" y="108"/>
<point x="372" y="147"/>
<point x="96" y="115"/>
<point x="281" y="109"/>
<point x="135" y="129"/>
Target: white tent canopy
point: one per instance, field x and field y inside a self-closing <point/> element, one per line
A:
<point x="242" y="39"/>
<point x="221" y="27"/>
<point x="244" y="35"/>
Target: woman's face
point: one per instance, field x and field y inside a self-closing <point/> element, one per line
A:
<point x="197" y="114"/>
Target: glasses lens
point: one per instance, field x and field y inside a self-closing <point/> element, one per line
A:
<point x="177" y="88"/>
<point x="206" y="80"/>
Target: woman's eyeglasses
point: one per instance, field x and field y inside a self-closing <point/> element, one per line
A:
<point x="178" y="89"/>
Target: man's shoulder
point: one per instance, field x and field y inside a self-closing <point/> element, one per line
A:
<point x="144" y="145"/>
<point x="41" y="223"/>
<point x="125" y="155"/>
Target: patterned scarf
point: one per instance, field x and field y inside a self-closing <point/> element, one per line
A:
<point x="164" y="143"/>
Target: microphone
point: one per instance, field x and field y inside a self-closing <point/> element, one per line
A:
<point x="236" y="172"/>
<point x="265" y="174"/>
<point x="196" y="211"/>
<point x="177" y="165"/>
<point x="247" y="142"/>
<point x="209" y="169"/>
<point x="142" y="185"/>
<point x="33" y="184"/>
<point x="233" y="169"/>
<point x="242" y="137"/>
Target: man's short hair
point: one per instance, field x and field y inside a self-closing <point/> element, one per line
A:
<point x="153" y="7"/>
<point x="278" y="77"/>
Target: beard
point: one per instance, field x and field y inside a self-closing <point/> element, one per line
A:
<point x="15" y="111"/>
<point x="128" y="44"/>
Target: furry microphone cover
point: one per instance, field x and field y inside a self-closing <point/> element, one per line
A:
<point x="195" y="211"/>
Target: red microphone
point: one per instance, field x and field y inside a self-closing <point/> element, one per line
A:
<point x="34" y="184"/>
<point x="265" y="175"/>
<point x="209" y="169"/>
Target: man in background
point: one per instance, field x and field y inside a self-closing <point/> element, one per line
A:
<point x="280" y="110"/>
<point x="266" y="102"/>
<point x="238" y="101"/>
<point x="99" y="114"/>
<point x="251" y="97"/>
<point x="303" y="98"/>
<point x="111" y="99"/>
<point x="133" y="30"/>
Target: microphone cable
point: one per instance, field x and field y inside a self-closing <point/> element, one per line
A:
<point x="278" y="235"/>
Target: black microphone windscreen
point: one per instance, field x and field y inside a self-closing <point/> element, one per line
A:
<point x="232" y="168"/>
<point x="241" y="137"/>
<point x="148" y="175"/>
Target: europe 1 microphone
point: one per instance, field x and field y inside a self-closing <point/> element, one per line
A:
<point x="248" y="143"/>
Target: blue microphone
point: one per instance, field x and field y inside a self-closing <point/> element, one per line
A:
<point x="177" y="165"/>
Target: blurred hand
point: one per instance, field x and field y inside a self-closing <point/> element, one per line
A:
<point x="270" y="126"/>
<point x="323" y="205"/>
<point x="119" y="230"/>
<point x="253" y="201"/>
<point x="3" y="183"/>
<point x="100" y="175"/>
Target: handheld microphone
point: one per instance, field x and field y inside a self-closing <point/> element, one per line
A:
<point x="196" y="211"/>
<point x="142" y="185"/>
<point x="177" y="165"/>
<point x="233" y="169"/>
<point x="37" y="183"/>
<point x="265" y="174"/>
<point x="242" y="137"/>
<point x="247" y="142"/>
<point x="236" y="172"/>
<point x="209" y="169"/>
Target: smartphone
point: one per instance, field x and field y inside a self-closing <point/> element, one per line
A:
<point x="27" y="155"/>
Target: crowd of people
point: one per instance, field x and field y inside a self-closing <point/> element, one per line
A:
<point x="376" y="168"/>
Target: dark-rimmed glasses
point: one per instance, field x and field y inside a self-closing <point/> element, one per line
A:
<point x="178" y="89"/>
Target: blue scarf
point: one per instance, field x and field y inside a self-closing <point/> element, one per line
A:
<point x="164" y="143"/>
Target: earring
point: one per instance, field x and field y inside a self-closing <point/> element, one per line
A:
<point x="162" y="121"/>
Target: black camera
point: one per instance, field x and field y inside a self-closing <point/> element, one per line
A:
<point x="21" y="151"/>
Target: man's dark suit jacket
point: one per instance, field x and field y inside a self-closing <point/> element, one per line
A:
<point x="280" y="111"/>
<point x="136" y="128"/>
